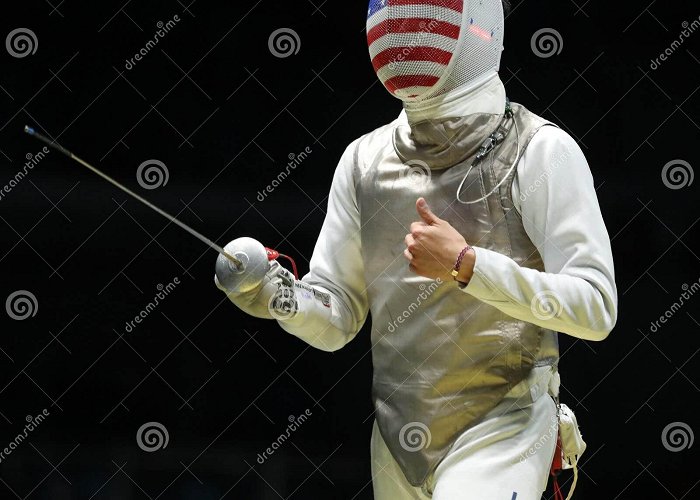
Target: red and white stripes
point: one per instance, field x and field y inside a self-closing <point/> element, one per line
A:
<point x="411" y="42"/>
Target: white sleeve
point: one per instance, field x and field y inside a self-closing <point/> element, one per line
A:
<point x="576" y="294"/>
<point x="336" y="269"/>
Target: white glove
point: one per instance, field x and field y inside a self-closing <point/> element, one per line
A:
<point x="273" y="298"/>
<point x="301" y="309"/>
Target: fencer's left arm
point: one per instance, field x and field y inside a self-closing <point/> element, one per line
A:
<point x="576" y="294"/>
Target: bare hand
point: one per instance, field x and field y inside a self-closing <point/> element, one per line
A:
<point x="433" y="246"/>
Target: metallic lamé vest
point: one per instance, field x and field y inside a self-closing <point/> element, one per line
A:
<point x="442" y="358"/>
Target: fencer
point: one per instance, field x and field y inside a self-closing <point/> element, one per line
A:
<point x="471" y="229"/>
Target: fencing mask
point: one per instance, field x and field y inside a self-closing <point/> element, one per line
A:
<point x="425" y="48"/>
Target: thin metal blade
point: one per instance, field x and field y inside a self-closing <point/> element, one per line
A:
<point x="202" y="238"/>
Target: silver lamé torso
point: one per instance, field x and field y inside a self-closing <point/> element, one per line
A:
<point x="442" y="358"/>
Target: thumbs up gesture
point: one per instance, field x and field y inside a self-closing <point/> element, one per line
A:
<point x="433" y="246"/>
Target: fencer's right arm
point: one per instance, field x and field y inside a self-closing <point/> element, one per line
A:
<point x="328" y="306"/>
<point x="333" y="315"/>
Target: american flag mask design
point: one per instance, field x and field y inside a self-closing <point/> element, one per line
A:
<point x="422" y="48"/>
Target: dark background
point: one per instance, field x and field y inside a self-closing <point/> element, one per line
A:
<point x="223" y="114"/>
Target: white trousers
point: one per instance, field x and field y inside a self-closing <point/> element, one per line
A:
<point x="507" y="456"/>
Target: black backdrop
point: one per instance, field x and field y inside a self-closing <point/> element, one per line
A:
<point x="222" y="113"/>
